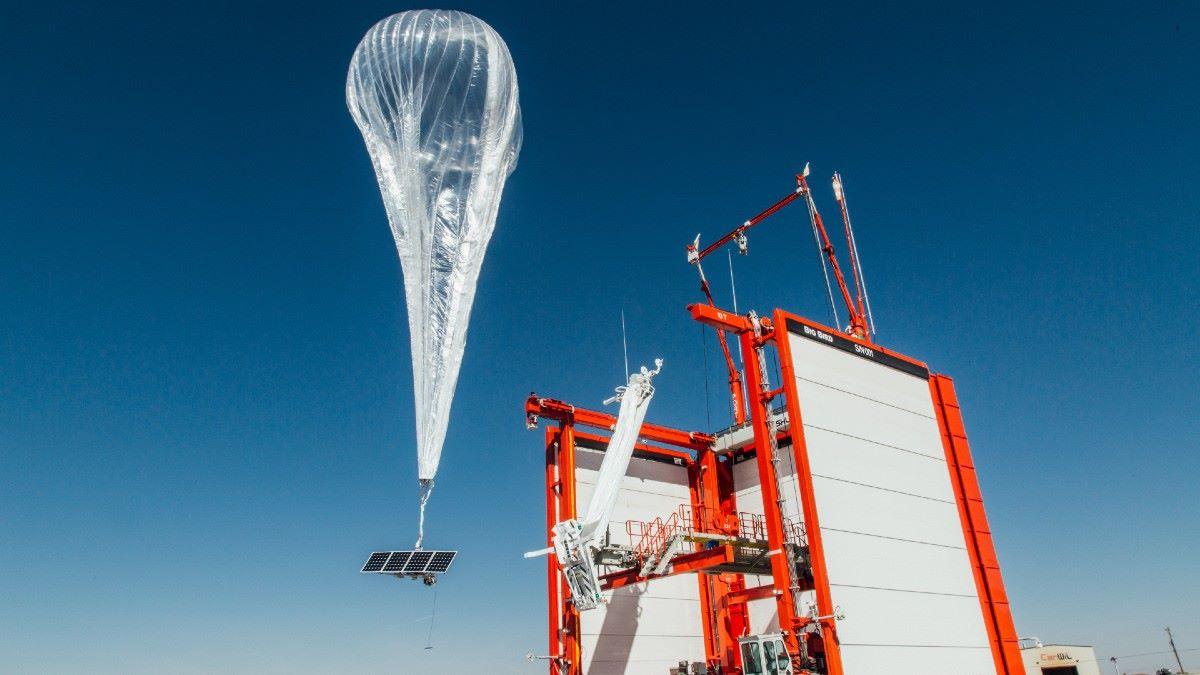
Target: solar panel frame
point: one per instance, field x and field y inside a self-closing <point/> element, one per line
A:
<point x="410" y="562"/>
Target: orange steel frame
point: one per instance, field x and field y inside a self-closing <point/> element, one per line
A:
<point x="560" y="505"/>
<point x="980" y="548"/>
<point x="812" y="520"/>
<point x="760" y="404"/>
<point x="564" y="631"/>
<point x="724" y="596"/>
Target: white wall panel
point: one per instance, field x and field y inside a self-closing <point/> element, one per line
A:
<point x="869" y="510"/>
<point x="748" y="492"/>
<point x="649" y="490"/>
<point x="915" y="619"/>
<point x="764" y="614"/>
<point x="852" y="459"/>
<point x="862" y="377"/>
<point x="835" y="410"/>
<point x="647" y="628"/>
<point x="892" y="539"/>
<point x="637" y="654"/>
<point x="746" y="489"/>
<point x="866" y="561"/>
<point x="868" y="660"/>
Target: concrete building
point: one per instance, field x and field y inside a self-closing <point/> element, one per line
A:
<point x="1042" y="659"/>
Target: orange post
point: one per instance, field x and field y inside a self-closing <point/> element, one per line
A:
<point x="553" y="578"/>
<point x="808" y="501"/>
<point x="781" y="573"/>
<point x="560" y="506"/>
<point x="571" y="644"/>
<point x="723" y="624"/>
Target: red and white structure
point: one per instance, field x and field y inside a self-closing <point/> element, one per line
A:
<point x="837" y="527"/>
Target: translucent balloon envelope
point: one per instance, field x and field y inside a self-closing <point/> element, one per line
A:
<point x="434" y="93"/>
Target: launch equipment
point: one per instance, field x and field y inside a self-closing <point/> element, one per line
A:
<point x="836" y="527"/>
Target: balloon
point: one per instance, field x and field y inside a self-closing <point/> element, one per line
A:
<point x="434" y="93"/>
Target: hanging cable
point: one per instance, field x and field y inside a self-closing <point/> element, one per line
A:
<point x="733" y="290"/>
<point x="733" y="287"/>
<point x="624" y="347"/>
<point x="736" y="391"/>
<point x="432" y="618"/>
<point x="775" y="362"/>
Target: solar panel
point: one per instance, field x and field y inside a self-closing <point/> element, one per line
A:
<point x="376" y="561"/>
<point x="411" y="563"/>
<point x="397" y="561"/>
<point x="441" y="561"/>
<point x="418" y="561"/>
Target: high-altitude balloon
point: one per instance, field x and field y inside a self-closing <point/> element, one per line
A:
<point x="434" y="93"/>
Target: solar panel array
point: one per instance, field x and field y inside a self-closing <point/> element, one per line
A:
<point x="409" y="562"/>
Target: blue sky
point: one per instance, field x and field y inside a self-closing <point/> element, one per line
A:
<point x="206" y="418"/>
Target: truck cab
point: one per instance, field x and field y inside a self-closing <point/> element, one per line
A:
<point x="765" y="655"/>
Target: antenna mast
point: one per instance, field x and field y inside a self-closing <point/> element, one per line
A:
<point x="860" y="282"/>
<point x="858" y="311"/>
<point x="624" y="347"/>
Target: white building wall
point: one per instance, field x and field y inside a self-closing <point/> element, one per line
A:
<point x="893" y="542"/>
<point x="764" y="614"/>
<point x="1060" y="659"/>
<point x="647" y="628"/>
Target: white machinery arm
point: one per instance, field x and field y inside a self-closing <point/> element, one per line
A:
<point x="575" y="541"/>
<point x="635" y="399"/>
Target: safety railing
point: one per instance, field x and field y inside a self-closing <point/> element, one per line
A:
<point x="649" y="538"/>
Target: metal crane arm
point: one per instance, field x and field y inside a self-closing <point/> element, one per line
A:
<point x="858" y="323"/>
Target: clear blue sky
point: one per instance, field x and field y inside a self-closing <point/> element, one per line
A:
<point x="206" y="401"/>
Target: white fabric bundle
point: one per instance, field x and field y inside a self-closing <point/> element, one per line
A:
<point x="635" y="399"/>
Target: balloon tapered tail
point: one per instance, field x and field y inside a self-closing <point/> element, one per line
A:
<point x="426" y="490"/>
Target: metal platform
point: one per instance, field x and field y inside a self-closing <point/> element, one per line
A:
<point x="685" y="542"/>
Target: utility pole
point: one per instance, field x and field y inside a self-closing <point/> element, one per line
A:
<point x="1171" y="639"/>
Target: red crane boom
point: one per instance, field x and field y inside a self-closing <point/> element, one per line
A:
<point x="736" y="393"/>
<point x="858" y="322"/>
